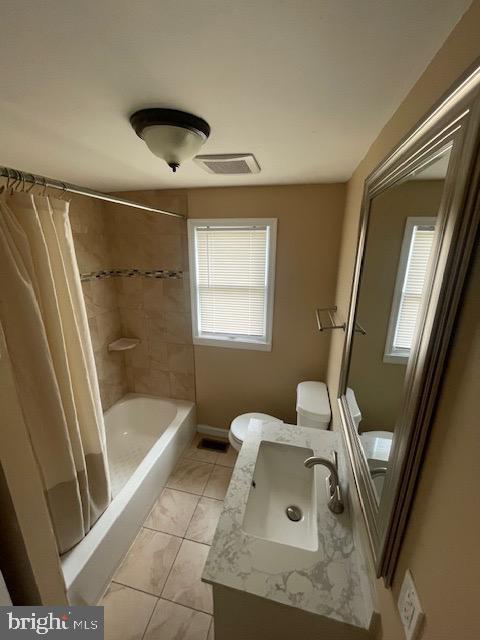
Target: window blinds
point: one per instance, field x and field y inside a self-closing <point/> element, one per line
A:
<point x="413" y="285"/>
<point x="231" y="266"/>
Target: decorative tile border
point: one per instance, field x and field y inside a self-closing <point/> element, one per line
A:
<point x="130" y="273"/>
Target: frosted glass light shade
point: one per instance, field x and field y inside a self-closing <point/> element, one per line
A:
<point x="170" y="134"/>
<point x="173" y="144"/>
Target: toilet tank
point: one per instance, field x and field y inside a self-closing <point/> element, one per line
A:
<point x="313" y="405"/>
<point x="353" y="407"/>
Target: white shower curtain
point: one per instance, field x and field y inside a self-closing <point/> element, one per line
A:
<point x="43" y="315"/>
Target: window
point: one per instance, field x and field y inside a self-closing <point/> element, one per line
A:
<point x="232" y="267"/>
<point x="411" y="276"/>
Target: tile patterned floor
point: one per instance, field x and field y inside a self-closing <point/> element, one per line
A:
<point x="156" y="593"/>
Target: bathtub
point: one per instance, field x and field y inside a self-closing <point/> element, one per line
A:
<point x="145" y="437"/>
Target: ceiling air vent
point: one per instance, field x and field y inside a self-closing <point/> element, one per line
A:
<point x="229" y="163"/>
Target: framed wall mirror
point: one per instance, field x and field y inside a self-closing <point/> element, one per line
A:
<point x="419" y="221"/>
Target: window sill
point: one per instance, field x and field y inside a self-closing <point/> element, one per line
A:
<point x="236" y="343"/>
<point x="395" y="358"/>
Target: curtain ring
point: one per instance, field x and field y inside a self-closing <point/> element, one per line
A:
<point x="12" y="180"/>
<point x="34" y="182"/>
<point x="17" y="181"/>
<point x="9" y="184"/>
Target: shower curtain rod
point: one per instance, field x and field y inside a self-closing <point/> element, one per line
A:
<point x="23" y="177"/>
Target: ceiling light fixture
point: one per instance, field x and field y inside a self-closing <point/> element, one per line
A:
<point x="172" y="135"/>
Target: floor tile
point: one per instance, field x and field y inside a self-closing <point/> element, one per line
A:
<point x="202" y="455"/>
<point x="127" y="612"/>
<point x="227" y="459"/>
<point x="184" y="584"/>
<point x="149" y="561"/>
<point x="172" y="512"/>
<point x="190" y="476"/>
<point x="172" y="621"/>
<point x="218" y="482"/>
<point x="205" y="519"/>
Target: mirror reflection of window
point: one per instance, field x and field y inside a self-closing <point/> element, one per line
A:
<point x="395" y="274"/>
<point x="412" y="273"/>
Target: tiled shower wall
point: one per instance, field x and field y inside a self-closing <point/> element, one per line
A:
<point x="92" y="247"/>
<point x="156" y="310"/>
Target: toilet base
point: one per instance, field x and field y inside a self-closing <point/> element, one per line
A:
<point x="236" y="445"/>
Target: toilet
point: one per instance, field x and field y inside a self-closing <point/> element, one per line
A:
<point x="376" y="444"/>
<point x="313" y="410"/>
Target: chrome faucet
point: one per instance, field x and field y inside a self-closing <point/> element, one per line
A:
<point x="334" y="492"/>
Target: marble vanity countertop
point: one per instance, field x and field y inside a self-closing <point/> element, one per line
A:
<point x="327" y="581"/>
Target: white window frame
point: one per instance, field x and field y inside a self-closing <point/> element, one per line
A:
<point x="391" y="354"/>
<point x="224" y="340"/>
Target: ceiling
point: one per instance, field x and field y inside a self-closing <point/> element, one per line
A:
<point x="304" y="85"/>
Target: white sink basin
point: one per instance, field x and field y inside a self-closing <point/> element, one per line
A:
<point x="281" y="480"/>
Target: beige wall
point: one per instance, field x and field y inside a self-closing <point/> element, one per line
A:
<point x="234" y="381"/>
<point x="441" y="543"/>
<point x="227" y="381"/>
<point x="92" y="247"/>
<point x="378" y="385"/>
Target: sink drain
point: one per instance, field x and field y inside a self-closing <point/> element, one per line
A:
<point x="294" y="513"/>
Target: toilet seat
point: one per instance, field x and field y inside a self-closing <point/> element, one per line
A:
<point x="239" y="426"/>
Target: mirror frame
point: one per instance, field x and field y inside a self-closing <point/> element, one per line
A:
<point x="453" y="123"/>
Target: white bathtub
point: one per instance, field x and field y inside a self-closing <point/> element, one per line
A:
<point x="145" y="437"/>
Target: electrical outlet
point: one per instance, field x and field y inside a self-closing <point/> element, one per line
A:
<point x="411" y="612"/>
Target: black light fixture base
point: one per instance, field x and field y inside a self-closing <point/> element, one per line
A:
<point x="151" y="117"/>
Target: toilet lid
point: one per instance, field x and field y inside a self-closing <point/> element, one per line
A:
<point x="239" y="425"/>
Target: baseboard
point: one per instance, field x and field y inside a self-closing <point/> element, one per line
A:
<point x="212" y="431"/>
